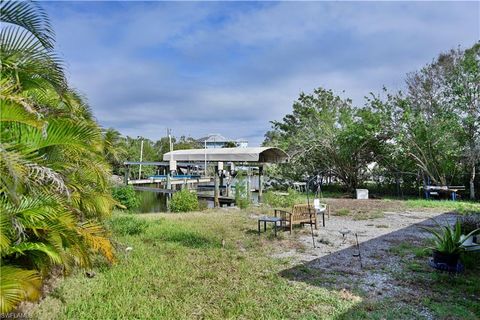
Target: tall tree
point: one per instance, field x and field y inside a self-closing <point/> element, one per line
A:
<point x="325" y="133"/>
<point x="463" y="91"/>
<point x="114" y="149"/>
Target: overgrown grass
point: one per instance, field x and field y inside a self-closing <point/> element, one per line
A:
<point x="462" y="207"/>
<point x="213" y="265"/>
<point x="192" y="265"/>
<point x="127" y="225"/>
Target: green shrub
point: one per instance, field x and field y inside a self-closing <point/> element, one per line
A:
<point x="126" y="196"/>
<point x="127" y="225"/>
<point x="281" y="201"/>
<point x="271" y="198"/>
<point x="292" y="198"/>
<point x="241" y="192"/>
<point x="183" y="201"/>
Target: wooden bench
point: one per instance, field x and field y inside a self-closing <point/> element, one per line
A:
<point x="300" y="214"/>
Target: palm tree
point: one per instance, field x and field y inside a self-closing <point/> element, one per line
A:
<point x="114" y="148"/>
<point x="54" y="189"/>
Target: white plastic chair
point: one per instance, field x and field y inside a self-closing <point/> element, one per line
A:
<point x="320" y="208"/>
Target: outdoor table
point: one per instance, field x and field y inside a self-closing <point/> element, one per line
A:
<point x="268" y="219"/>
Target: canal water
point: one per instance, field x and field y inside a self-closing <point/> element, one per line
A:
<point x="157" y="202"/>
<point x="151" y="202"/>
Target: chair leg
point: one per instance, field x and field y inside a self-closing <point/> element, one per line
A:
<point x="291" y="226"/>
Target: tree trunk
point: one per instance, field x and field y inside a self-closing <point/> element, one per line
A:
<point x="472" y="183"/>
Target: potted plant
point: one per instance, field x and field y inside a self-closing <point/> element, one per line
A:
<point x="469" y="224"/>
<point x="448" y="244"/>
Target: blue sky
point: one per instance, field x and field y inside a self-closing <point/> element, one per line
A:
<point x="231" y="67"/>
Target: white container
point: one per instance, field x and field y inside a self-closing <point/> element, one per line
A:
<point x="362" y="194"/>
<point x="468" y="242"/>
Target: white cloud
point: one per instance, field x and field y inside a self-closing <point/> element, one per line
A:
<point x="233" y="67"/>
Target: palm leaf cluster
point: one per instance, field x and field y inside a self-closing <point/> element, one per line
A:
<point x="54" y="188"/>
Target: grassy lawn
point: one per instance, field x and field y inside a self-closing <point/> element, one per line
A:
<point x="213" y="265"/>
<point x="178" y="269"/>
<point x="456" y="206"/>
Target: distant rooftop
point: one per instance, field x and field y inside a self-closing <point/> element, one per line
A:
<point x="214" y="137"/>
<point x="218" y="138"/>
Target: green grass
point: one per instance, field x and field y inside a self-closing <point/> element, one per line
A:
<point x="180" y="269"/>
<point x="405" y="249"/>
<point x="446" y="296"/>
<point x="342" y="212"/>
<point x="214" y="265"/>
<point x="455" y="206"/>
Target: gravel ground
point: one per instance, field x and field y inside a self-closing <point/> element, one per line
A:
<point x="336" y="254"/>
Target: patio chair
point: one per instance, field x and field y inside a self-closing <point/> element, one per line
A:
<point x="321" y="208"/>
<point x="300" y="214"/>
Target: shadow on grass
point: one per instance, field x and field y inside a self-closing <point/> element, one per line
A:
<point x="387" y="276"/>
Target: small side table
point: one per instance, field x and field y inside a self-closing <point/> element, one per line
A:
<point x="268" y="219"/>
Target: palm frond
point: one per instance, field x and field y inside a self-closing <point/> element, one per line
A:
<point x="12" y="112"/>
<point x="16" y="285"/>
<point x="96" y="237"/>
<point x="27" y="63"/>
<point x="60" y="132"/>
<point x="24" y="247"/>
<point x="5" y="231"/>
<point x="29" y="16"/>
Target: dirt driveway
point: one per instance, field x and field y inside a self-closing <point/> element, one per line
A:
<point x="383" y="229"/>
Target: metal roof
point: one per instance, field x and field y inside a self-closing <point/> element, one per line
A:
<point x="214" y="137"/>
<point x="259" y="154"/>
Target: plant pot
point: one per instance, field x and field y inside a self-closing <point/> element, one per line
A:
<point x="450" y="259"/>
<point x="468" y="241"/>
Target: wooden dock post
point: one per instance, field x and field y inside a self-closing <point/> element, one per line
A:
<point x="221" y="184"/>
<point x="249" y="185"/>
<point x="216" y="202"/>
<point x="127" y="174"/>
<point x="169" y="186"/>
<point x="260" y="184"/>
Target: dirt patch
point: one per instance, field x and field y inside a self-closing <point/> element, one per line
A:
<point x="364" y="206"/>
<point x="335" y="262"/>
